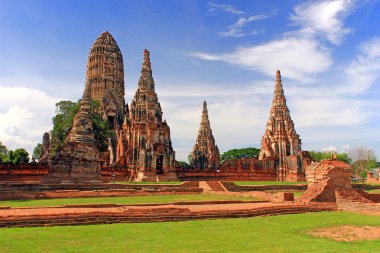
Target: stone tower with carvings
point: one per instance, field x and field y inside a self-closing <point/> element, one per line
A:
<point x="105" y="72"/>
<point x="205" y="154"/>
<point x="280" y="139"/>
<point x="144" y="143"/>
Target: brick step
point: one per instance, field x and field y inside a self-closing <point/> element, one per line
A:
<point x="216" y="185"/>
<point x="154" y="215"/>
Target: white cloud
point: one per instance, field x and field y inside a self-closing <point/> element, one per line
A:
<point x="364" y="70"/>
<point x="236" y="30"/>
<point x="300" y="59"/>
<point x="223" y="7"/>
<point x="330" y="110"/>
<point x="25" y="114"/>
<point x="330" y="148"/>
<point x="323" y="18"/>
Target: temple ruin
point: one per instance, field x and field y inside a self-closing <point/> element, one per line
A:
<point x="142" y="148"/>
<point x="78" y="160"/>
<point x="280" y="140"/>
<point x="205" y="154"/>
<point x="144" y="144"/>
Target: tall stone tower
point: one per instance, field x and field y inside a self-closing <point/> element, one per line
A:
<point x="205" y="153"/>
<point x="280" y="139"/>
<point x="144" y="143"/>
<point x="105" y="72"/>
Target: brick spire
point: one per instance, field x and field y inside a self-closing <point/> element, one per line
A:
<point x="145" y="143"/>
<point x="280" y="138"/>
<point x="205" y="153"/>
<point x="146" y="81"/>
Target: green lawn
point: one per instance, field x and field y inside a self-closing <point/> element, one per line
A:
<point x="297" y="194"/>
<point x="121" y="200"/>
<point x="285" y="233"/>
<point x="243" y="183"/>
<point x="377" y="191"/>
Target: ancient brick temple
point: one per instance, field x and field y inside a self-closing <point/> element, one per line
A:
<point x="205" y="154"/>
<point x="280" y="140"/>
<point x="144" y="143"/>
<point x="105" y="72"/>
<point x="77" y="161"/>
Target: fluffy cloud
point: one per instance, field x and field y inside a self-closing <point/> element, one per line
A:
<point x="364" y="70"/>
<point x="25" y="114"/>
<point x="299" y="58"/>
<point x="323" y="18"/>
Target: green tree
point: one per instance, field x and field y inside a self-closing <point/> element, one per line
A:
<point x="63" y="121"/>
<point x="190" y="159"/>
<point x="234" y="154"/>
<point x="183" y="164"/>
<point x="3" y="151"/>
<point x="325" y="155"/>
<point x="37" y="151"/>
<point x="17" y="156"/>
<point x="102" y="129"/>
<point x="364" y="160"/>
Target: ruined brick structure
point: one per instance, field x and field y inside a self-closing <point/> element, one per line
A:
<point x="144" y="143"/>
<point x="105" y="72"/>
<point x="44" y="156"/>
<point x="205" y="154"/>
<point x="77" y="161"/>
<point x="280" y="139"/>
<point x="330" y="181"/>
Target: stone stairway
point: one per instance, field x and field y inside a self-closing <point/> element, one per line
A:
<point x="216" y="186"/>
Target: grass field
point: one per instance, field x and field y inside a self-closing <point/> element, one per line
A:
<point x="121" y="200"/>
<point x="297" y="194"/>
<point x="377" y="191"/>
<point x="285" y="233"/>
<point x="242" y="183"/>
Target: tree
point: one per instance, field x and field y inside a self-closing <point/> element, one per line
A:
<point x="190" y="158"/>
<point x="37" y="151"/>
<point x="234" y="154"/>
<point x="3" y="151"/>
<point x="63" y="121"/>
<point x="102" y="128"/>
<point x="184" y="165"/>
<point x="324" y="155"/>
<point x="364" y="160"/>
<point x="17" y="156"/>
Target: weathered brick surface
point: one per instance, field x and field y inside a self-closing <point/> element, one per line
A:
<point x="153" y="213"/>
<point x="330" y="181"/>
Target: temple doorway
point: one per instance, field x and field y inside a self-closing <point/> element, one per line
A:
<point x="159" y="162"/>
<point x="111" y="121"/>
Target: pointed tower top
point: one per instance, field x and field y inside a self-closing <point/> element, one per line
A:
<point x="146" y="56"/>
<point x="205" y="119"/>
<point x="146" y="63"/>
<point x="278" y="91"/>
<point x="204" y="106"/>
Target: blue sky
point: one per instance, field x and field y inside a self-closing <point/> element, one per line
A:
<point x="226" y="52"/>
